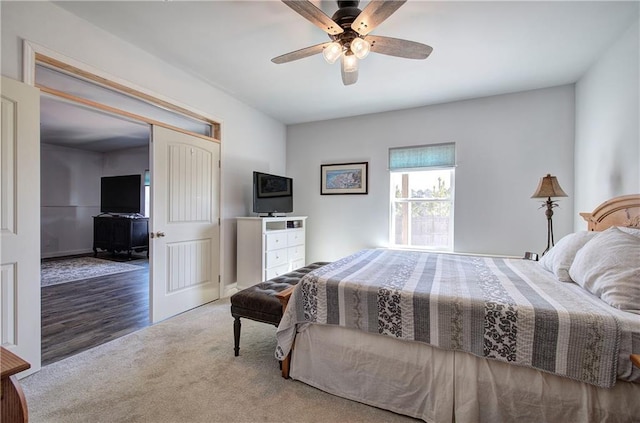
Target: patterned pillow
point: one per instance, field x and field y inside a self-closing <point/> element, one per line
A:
<point x="559" y="258"/>
<point x="608" y="266"/>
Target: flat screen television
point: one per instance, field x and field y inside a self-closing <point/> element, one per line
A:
<point x="272" y="194"/>
<point x="120" y="194"/>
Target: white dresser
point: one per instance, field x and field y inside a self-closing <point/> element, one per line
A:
<point x="268" y="247"/>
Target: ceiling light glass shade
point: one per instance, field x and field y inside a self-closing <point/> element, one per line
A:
<point x="332" y="52"/>
<point x="360" y="48"/>
<point x="349" y="63"/>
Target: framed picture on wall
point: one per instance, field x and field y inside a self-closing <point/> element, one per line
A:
<point x="344" y="178"/>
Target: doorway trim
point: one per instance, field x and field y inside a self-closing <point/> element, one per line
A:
<point x="30" y="53"/>
<point x="34" y="53"/>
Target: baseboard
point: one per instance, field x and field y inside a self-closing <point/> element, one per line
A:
<point x="229" y="290"/>
<point x="65" y="253"/>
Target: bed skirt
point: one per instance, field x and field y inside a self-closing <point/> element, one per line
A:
<point x="441" y="386"/>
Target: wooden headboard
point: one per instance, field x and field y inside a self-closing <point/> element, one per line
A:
<point x="619" y="211"/>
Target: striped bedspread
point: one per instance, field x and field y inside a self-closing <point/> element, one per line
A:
<point x="482" y="305"/>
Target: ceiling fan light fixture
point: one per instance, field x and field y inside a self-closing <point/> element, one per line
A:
<point x="349" y="63"/>
<point x="332" y="52"/>
<point x="349" y="31"/>
<point x="360" y="47"/>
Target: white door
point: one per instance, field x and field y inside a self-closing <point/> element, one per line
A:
<point x="185" y="232"/>
<point x="20" y="222"/>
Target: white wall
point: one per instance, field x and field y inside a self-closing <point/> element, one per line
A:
<point x="505" y="144"/>
<point x="607" y="151"/>
<point x="70" y="196"/>
<point x="130" y="161"/>
<point x="250" y="139"/>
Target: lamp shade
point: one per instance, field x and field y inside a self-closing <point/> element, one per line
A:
<point x="548" y="187"/>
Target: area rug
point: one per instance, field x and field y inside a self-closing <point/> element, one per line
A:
<point x="55" y="272"/>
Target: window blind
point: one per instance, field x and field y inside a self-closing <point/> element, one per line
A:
<point x="422" y="157"/>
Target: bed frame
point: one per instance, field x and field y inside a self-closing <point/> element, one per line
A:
<point x="619" y="211"/>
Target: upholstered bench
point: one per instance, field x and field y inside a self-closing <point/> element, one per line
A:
<point x="263" y="302"/>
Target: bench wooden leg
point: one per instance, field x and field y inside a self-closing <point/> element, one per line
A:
<point x="236" y="336"/>
<point x="286" y="363"/>
<point x="285" y="366"/>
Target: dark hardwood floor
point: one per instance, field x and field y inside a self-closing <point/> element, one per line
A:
<point x="80" y="315"/>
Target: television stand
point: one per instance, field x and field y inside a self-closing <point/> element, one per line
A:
<point x="120" y="233"/>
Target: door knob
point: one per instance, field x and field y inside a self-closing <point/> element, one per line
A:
<point x="157" y="234"/>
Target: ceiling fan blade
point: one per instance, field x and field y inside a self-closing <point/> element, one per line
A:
<point x="349" y="78"/>
<point x="374" y="14"/>
<point x="310" y="12"/>
<point x="399" y="48"/>
<point x="300" y="54"/>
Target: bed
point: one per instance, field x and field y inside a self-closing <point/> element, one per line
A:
<point x="445" y="337"/>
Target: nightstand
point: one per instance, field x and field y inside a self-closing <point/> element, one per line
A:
<point x="13" y="404"/>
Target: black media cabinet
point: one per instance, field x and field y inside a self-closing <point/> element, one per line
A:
<point x="120" y="233"/>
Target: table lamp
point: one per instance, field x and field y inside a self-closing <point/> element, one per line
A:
<point x="547" y="188"/>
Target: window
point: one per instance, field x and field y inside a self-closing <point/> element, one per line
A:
<point x="422" y="193"/>
<point x="147" y="192"/>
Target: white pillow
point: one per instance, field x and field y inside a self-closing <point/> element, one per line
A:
<point x="559" y="258"/>
<point x="630" y="230"/>
<point x="608" y="266"/>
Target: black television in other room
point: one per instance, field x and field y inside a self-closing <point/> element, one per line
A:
<point x="121" y="194"/>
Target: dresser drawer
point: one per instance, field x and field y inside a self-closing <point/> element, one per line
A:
<point x="297" y="264"/>
<point x="295" y="253"/>
<point x="295" y="238"/>
<point x="276" y="241"/>
<point x="276" y="258"/>
<point x="276" y="271"/>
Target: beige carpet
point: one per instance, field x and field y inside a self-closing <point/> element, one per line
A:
<point x="183" y="370"/>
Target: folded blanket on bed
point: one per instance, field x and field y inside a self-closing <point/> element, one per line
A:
<point x="482" y="305"/>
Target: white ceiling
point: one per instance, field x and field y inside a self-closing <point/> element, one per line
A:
<point x="74" y="126"/>
<point x="481" y="48"/>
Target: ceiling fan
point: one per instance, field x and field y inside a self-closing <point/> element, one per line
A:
<point x="349" y="29"/>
